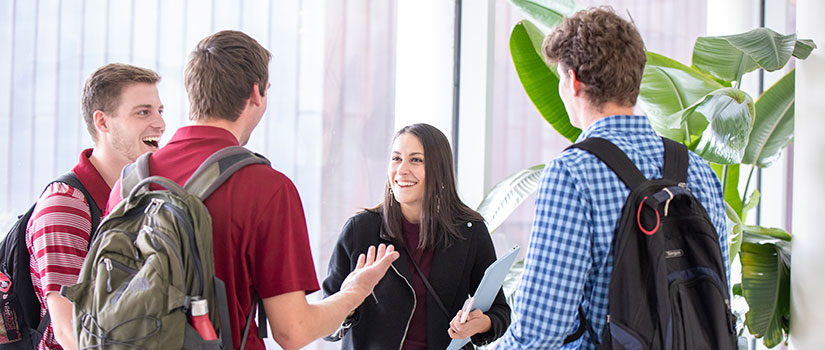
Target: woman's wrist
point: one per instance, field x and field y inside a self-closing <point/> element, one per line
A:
<point x="487" y="324"/>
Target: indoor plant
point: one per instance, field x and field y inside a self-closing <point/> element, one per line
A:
<point x="703" y="107"/>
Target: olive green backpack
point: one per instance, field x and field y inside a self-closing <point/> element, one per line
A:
<point x="151" y="257"/>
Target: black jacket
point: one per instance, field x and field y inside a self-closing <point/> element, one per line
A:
<point x="381" y="321"/>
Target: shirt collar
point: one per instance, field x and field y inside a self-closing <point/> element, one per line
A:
<point x="92" y="180"/>
<point x="617" y="124"/>
<point x="202" y="132"/>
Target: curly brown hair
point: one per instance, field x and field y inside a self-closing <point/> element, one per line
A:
<point x="604" y="50"/>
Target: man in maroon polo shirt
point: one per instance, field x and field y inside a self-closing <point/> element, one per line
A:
<point x="122" y="111"/>
<point x="259" y="230"/>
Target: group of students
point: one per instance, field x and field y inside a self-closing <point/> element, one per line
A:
<point x="402" y="269"/>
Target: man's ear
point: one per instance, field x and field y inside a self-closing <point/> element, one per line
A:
<point x="101" y="121"/>
<point x="573" y="80"/>
<point x="255" y="97"/>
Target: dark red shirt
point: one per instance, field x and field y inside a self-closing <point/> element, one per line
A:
<point x="417" y="330"/>
<point x="259" y="229"/>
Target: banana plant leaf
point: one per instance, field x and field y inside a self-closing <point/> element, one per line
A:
<point x="718" y="57"/>
<point x="508" y="194"/>
<point x="540" y="82"/>
<point x="547" y="12"/>
<point x="773" y="125"/>
<point x="729" y="57"/>
<point x="730" y="114"/>
<point x="803" y="48"/>
<point x="750" y="204"/>
<point x="670" y="88"/>
<point x="729" y="177"/>
<point x="739" y="307"/>
<point x="511" y="281"/>
<point x="736" y="234"/>
<point x="761" y="234"/>
<point x="766" y="283"/>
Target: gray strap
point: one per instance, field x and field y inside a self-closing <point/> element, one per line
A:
<point x="249" y="321"/>
<point x="223" y="309"/>
<point x="134" y="173"/>
<point x="158" y="180"/>
<point x="219" y="167"/>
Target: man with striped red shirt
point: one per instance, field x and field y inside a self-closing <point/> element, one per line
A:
<point x="123" y="114"/>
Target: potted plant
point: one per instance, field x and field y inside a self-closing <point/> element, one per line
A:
<point x="703" y="107"/>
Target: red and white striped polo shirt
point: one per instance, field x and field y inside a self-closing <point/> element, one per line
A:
<point x="58" y="235"/>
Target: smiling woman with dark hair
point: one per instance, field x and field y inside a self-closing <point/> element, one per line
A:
<point x="445" y="249"/>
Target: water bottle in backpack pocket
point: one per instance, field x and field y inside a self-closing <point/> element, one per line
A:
<point x="152" y="258"/>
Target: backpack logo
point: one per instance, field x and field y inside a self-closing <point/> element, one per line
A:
<point x="21" y="326"/>
<point x="670" y="254"/>
<point x="5" y="284"/>
<point x="668" y="287"/>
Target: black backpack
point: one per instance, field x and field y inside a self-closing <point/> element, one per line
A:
<point x="21" y="326"/>
<point x="668" y="288"/>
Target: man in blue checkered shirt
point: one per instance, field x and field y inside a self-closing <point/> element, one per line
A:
<point x="600" y="59"/>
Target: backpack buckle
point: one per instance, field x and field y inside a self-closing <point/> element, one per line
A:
<point x="667" y="202"/>
<point x="154" y="207"/>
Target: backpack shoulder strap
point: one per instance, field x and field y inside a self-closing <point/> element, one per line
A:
<point x="676" y="160"/>
<point x="133" y="173"/>
<point x="71" y="179"/>
<point x="584" y="325"/>
<point x="219" y="167"/>
<point x="614" y="158"/>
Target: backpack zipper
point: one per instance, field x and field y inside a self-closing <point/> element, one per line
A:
<point x="728" y="314"/>
<point x="169" y="242"/>
<point x="193" y="244"/>
<point x="108" y="263"/>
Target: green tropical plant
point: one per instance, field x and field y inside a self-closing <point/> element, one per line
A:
<point x="703" y="107"/>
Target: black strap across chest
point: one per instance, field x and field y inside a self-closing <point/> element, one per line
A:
<point x="676" y="160"/>
<point x="427" y="284"/>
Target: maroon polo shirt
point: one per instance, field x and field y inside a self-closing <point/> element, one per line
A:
<point x="260" y="238"/>
<point x="417" y="330"/>
<point x="91" y="179"/>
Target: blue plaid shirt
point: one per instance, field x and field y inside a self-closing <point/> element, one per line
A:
<point x="578" y="206"/>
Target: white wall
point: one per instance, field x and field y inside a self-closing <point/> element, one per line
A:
<point x="807" y="282"/>
<point x="424" y="64"/>
<point x="475" y="100"/>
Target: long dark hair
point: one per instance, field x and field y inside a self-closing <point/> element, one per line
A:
<point x="442" y="211"/>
